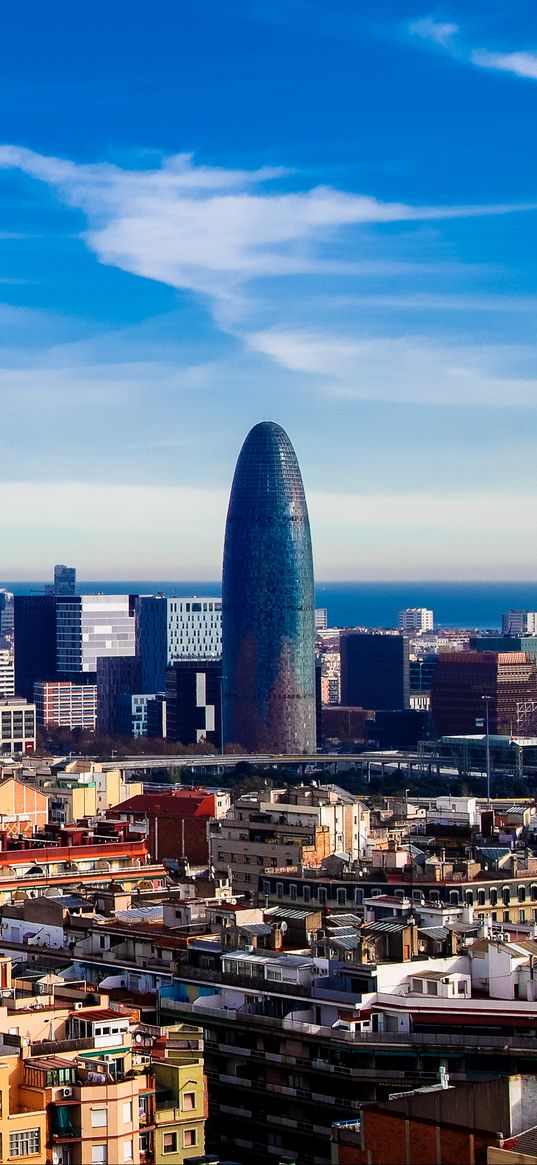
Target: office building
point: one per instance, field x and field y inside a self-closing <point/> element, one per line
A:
<point x="89" y="627"/>
<point x="132" y="714"/>
<point x="525" y="643"/>
<point x="189" y="627"/>
<point x="116" y="675"/>
<point x="267" y="601"/>
<point x="375" y="671"/>
<point x="65" y="704"/>
<point x="321" y="618"/>
<point x="462" y="678"/>
<point x="519" y="623"/>
<point x="64" y="581"/>
<point x="193" y="701"/>
<point x="156" y="716"/>
<point x="35" y="641"/>
<point x="416" y="620"/>
<point x="6" y="618"/>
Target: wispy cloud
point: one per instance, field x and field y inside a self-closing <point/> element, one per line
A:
<point x="211" y="229"/>
<point x="412" y="370"/>
<point x="440" y="33"/>
<point x="522" y="64"/>
<point x="450" y="37"/>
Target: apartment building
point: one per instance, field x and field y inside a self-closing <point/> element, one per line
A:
<point x="295" y="1040"/>
<point x="278" y="828"/>
<point x="7" y="672"/>
<point x="17" y="726"/>
<point x="83" y="1080"/>
<point x="83" y="788"/>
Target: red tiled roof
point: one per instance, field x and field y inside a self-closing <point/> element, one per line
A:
<point x="101" y="1013"/>
<point x="191" y="803"/>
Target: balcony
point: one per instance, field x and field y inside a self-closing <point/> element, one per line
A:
<point x="251" y="982"/>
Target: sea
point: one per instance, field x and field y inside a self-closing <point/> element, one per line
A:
<point x="476" y="605"/>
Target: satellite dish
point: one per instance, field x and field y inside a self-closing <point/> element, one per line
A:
<point x="283" y="927"/>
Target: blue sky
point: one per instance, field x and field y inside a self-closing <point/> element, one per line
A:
<point x="217" y="213"/>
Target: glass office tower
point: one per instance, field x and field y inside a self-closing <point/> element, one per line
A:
<point x="268" y="621"/>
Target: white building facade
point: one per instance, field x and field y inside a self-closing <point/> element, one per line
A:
<point x="89" y="627"/>
<point x="416" y="620"/>
<point x="170" y="629"/>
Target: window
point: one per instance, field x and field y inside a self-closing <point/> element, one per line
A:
<point x="522" y="916"/>
<point x="99" y="1118"/>
<point x="480" y="897"/>
<point x="275" y="974"/>
<point x="23" y="1144"/>
<point x="341" y="896"/>
<point x="493" y="895"/>
<point x="506" y="895"/>
<point x="279" y="889"/>
<point x="169" y="1142"/>
<point x="307" y="893"/>
<point x="189" y="1101"/>
<point x="99" y="1155"/>
<point x="469" y="895"/>
<point x="292" y="892"/>
<point x="189" y="1138"/>
<point x="127" y="1151"/>
<point x="127" y="1112"/>
<point x="521" y="893"/>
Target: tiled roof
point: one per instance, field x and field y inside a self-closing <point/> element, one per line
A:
<point x="436" y="932"/>
<point x="191" y="803"/>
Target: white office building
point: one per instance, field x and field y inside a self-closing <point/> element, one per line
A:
<point x="416" y="620"/>
<point x="170" y="629"/>
<point x="89" y="627"/>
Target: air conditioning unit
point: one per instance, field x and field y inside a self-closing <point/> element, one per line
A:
<point x="78" y="1006"/>
<point x="67" y="1091"/>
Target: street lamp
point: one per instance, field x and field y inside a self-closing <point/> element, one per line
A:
<point x="487" y="700"/>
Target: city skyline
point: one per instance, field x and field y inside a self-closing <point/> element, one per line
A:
<point x="321" y="217"/>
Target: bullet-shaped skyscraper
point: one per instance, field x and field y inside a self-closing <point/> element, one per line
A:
<point x="268" y="620"/>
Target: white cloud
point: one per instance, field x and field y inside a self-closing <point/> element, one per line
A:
<point x="433" y="30"/>
<point x="209" y="229"/>
<point x="522" y="64"/>
<point x="409" y="370"/>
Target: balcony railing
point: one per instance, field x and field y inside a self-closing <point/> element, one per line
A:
<point x="521" y="1043"/>
<point x="252" y="982"/>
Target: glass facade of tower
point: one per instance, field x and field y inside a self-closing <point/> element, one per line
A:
<point x="268" y="621"/>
